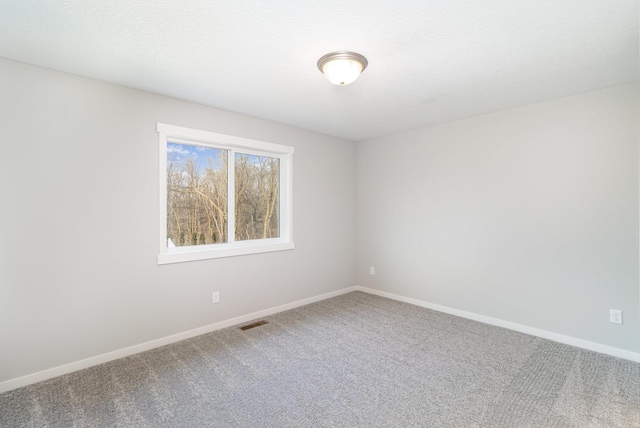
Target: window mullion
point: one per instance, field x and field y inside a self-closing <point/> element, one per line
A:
<point x="231" y="196"/>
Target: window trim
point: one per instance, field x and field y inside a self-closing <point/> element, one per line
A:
<point x="171" y="133"/>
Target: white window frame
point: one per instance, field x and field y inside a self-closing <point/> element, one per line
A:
<point x="171" y="133"/>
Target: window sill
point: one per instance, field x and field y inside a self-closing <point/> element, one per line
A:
<point x="193" y="253"/>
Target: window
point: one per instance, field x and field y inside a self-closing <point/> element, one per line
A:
<point x="221" y="195"/>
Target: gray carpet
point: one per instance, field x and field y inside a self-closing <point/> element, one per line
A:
<point x="356" y="360"/>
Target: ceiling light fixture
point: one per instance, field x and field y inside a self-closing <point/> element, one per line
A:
<point x="342" y="68"/>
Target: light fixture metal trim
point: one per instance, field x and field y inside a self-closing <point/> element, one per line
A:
<point x="342" y="57"/>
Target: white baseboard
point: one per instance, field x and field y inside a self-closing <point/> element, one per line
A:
<point x="125" y="352"/>
<point x="568" y="340"/>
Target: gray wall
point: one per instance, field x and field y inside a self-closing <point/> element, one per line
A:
<point x="79" y="222"/>
<point x="528" y="215"/>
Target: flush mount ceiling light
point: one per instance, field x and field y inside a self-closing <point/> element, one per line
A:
<point x="342" y="68"/>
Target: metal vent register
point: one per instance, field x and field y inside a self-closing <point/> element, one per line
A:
<point x="253" y="325"/>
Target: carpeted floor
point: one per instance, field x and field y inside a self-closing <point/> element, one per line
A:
<point x="356" y="360"/>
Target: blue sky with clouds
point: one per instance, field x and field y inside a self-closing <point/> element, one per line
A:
<point x="202" y="156"/>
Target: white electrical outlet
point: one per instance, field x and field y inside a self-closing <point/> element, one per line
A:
<point x="372" y="270"/>
<point x="615" y="316"/>
<point x="216" y="297"/>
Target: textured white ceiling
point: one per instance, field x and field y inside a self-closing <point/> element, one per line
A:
<point x="429" y="61"/>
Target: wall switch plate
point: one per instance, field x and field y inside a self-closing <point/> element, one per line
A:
<point x="615" y="316"/>
<point x="216" y="297"/>
<point x="372" y="270"/>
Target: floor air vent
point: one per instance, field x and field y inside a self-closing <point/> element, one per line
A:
<point x="254" y="325"/>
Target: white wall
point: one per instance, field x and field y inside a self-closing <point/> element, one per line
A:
<point x="528" y="215"/>
<point x="79" y="222"/>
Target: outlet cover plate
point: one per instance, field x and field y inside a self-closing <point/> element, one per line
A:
<point x="615" y="316"/>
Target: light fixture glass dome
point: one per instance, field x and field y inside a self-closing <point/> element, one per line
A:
<point x="342" y="68"/>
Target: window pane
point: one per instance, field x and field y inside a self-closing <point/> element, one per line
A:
<point x="257" y="197"/>
<point x="196" y="195"/>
